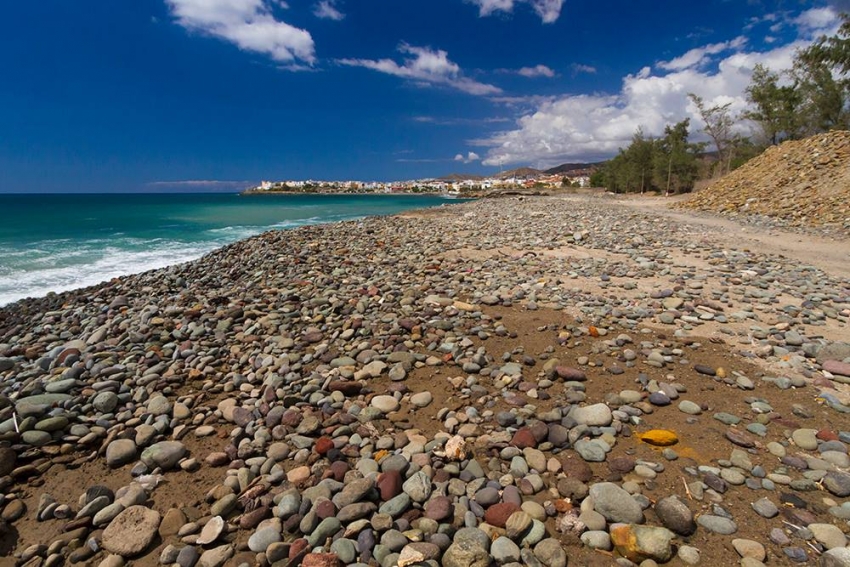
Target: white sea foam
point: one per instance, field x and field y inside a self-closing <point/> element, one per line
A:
<point x="62" y="264"/>
<point x="72" y="269"/>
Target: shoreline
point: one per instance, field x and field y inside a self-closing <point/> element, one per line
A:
<point x="206" y="244"/>
<point x="457" y="374"/>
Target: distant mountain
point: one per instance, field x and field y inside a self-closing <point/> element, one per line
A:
<point x="520" y="172"/>
<point x="461" y="177"/>
<point x="574" y="167"/>
<point x="530" y="172"/>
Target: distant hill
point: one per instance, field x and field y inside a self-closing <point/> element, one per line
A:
<point x="530" y="172"/>
<point x="571" y="167"/>
<point x="520" y="172"/>
<point x="461" y="177"/>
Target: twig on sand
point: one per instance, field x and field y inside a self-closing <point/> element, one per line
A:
<point x="687" y="489"/>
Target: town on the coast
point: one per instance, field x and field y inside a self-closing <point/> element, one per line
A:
<point x="577" y="175"/>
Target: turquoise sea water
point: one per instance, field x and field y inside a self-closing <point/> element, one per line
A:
<point x="61" y="242"/>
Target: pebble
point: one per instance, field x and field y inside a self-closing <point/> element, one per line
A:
<point x="314" y="462"/>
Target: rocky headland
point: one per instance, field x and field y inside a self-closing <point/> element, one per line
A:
<point x="524" y="381"/>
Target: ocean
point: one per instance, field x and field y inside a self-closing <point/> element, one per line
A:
<point x="61" y="242"/>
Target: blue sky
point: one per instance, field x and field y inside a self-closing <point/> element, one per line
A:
<point x="129" y="95"/>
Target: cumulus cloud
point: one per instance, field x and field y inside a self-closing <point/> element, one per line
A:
<point x="594" y="127"/>
<point x="536" y="71"/>
<point x="326" y="9"/>
<point x="428" y="67"/>
<point x="548" y="10"/>
<point x="248" y="24"/>
<point x="470" y="157"/>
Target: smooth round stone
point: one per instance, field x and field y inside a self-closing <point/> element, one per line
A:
<point x="159" y="405"/>
<point x="593" y="415"/>
<point x="659" y="399"/>
<point x="776" y="449"/>
<point x="805" y="439"/>
<point x="263" y="538"/>
<point x="385" y="403"/>
<point x="717" y="524"/>
<point x="535" y="534"/>
<point x="749" y="548"/>
<point x="422" y="399"/>
<point x="105" y="402"/>
<point x="597" y="539"/>
<point x="732" y="476"/>
<point x="837" y="557"/>
<point x="689" y="555"/>
<point x="757" y="429"/>
<point x="212" y="529"/>
<point x="675" y="515"/>
<point x="503" y="550"/>
<point x="828" y="535"/>
<point x="36" y="438"/>
<point x="165" y="454"/>
<point x="765" y="508"/>
<point x="345" y="549"/>
<point x="615" y="504"/>
<point x="60" y="386"/>
<point x="120" y="452"/>
<point x="689" y="407"/>
<point x="487" y="496"/>
<point x="591" y="450"/>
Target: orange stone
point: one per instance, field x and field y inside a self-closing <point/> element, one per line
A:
<point x="659" y="437"/>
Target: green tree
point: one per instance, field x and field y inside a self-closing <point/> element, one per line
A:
<point x="675" y="159"/>
<point x="718" y="122"/>
<point x="774" y="106"/>
<point x="597" y="178"/>
<point x="823" y="73"/>
<point x="639" y="156"/>
<point x="833" y="51"/>
<point x="823" y="99"/>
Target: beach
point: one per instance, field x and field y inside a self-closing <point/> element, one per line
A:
<point x="578" y="380"/>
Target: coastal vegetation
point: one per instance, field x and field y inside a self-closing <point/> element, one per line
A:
<point x="810" y="98"/>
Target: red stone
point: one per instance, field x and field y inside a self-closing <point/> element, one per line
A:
<point x="347" y="388"/>
<point x="439" y="508"/>
<point x="523" y="438"/>
<point x="298" y="547"/>
<point x="826" y="435"/>
<point x="338" y="469"/>
<point x="570" y="374"/>
<point x="325" y="509"/>
<point x="291" y="418"/>
<point x="320" y="560"/>
<point x="837" y="367"/>
<point x="498" y="514"/>
<point x="389" y="484"/>
<point x="323" y="445"/>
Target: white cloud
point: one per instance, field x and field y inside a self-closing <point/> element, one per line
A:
<point x="536" y="71"/>
<point x="593" y="127"/>
<point x="579" y="68"/>
<point x="816" y="20"/>
<point x="548" y="10"/>
<point x="470" y="157"/>
<point x="701" y="55"/>
<point x="427" y="67"/>
<point x="326" y="9"/>
<point x="248" y="24"/>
